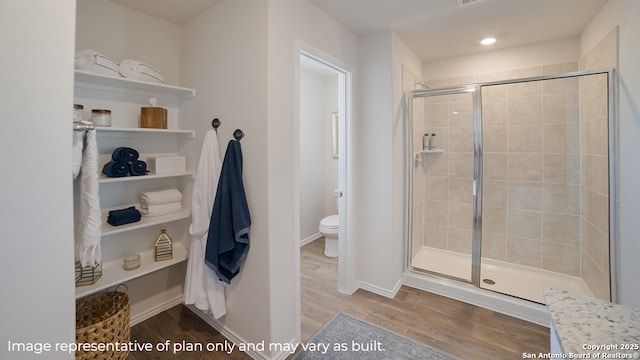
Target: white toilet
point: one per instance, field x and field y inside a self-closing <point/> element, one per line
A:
<point x="329" y="229"/>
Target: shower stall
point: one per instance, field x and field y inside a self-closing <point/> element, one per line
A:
<point x="517" y="194"/>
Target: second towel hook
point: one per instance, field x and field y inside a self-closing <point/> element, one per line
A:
<point x="238" y="134"/>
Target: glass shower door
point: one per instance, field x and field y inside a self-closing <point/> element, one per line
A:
<point x="442" y="231"/>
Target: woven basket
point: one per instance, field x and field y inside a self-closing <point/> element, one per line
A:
<point x="103" y="319"/>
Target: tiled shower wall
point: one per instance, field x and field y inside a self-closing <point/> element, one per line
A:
<point x="595" y="184"/>
<point x="533" y="182"/>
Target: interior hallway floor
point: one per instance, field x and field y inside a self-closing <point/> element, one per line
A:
<point x="464" y="330"/>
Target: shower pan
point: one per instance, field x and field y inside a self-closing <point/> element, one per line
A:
<point x="518" y="193"/>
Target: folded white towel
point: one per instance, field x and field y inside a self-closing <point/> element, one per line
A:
<point x="135" y="69"/>
<point x="160" y="197"/>
<point x="90" y="224"/>
<point x="93" y="61"/>
<point x="76" y="152"/>
<point x="160" y="209"/>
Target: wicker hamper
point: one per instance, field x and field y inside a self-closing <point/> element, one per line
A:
<point x="103" y="319"/>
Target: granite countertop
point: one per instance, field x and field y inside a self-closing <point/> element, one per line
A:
<point x="591" y="326"/>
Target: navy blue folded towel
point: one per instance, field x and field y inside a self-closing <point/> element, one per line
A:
<point x="138" y="168"/>
<point x="124" y="216"/>
<point x="125" y="154"/>
<point x="116" y="169"/>
<point x="228" y="239"/>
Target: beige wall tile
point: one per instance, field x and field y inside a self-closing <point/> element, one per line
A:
<point x="525" y="110"/>
<point x="525" y="223"/>
<point x="494" y="138"/>
<point x="461" y="139"/>
<point x="561" y="198"/>
<point x="597" y="173"/>
<point x="597" y="208"/>
<point x="461" y="113"/>
<point x="597" y="136"/>
<point x="562" y="229"/>
<point x="494" y="220"/>
<point x="564" y="169"/>
<point x="461" y="165"/>
<point x="494" y="246"/>
<point x="596" y="244"/>
<point x="561" y="138"/>
<point x="460" y="190"/>
<point x="560" y="85"/>
<point x="524" y="251"/>
<point x="495" y="111"/>
<point x="494" y="193"/>
<point x="435" y="236"/>
<point x="525" y="195"/>
<point x="495" y="166"/>
<point x="460" y="240"/>
<point x="436" y="114"/>
<point x="561" y="108"/>
<point x="461" y="216"/>
<point x="436" y="188"/>
<point x="595" y="278"/>
<point x="561" y="258"/>
<point x="525" y="138"/>
<point x="436" y="212"/>
<point x="436" y="164"/>
<point x="525" y="167"/>
<point x="560" y="68"/>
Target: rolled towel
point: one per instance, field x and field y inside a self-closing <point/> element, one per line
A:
<point x="93" y="61"/>
<point x="161" y="209"/>
<point x="138" y="168"/>
<point x="160" y="197"/>
<point x="116" y="169"/>
<point x="135" y="69"/>
<point x="124" y="216"/>
<point x="125" y="154"/>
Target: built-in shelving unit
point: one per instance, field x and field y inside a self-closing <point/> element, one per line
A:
<point x="125" y="97"/>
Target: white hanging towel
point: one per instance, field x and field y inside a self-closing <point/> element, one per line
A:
<point x="90" y="220"/>
<point x="202" y="287"/>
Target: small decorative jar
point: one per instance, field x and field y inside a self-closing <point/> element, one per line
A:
<point x="78" y="112"/>
<point x="101" y="117"/>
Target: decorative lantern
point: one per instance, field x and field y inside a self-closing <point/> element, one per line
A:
<point x="163" y="247"/>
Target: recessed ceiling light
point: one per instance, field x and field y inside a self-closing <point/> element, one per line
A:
<point x="488" y="41"/>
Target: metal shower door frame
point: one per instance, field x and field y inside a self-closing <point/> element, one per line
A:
<point x="476" y="90"/>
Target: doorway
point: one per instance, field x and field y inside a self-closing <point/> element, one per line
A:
<point x="323" y="170"/>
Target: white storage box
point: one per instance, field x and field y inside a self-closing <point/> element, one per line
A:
<point x="167" y="165"/>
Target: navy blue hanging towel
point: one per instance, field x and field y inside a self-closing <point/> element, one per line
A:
<point x="228" y="239"/>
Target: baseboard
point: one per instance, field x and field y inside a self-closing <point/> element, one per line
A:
<point x="310" y="239"/>
<point x="149" y="313"/>
<point x="504" y="304"/>
<point x="379" y="290"/>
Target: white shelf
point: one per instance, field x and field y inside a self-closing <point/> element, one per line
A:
<point x="108" y="229"/>
<point x="113" y="273"/>
<point x="89" y="80"/>
<point x="432" y="151"/>
<point x="119" y="131"/>
<point x="104" y="179"/>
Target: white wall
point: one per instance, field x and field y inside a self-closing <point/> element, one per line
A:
<point x="291" y="22"/>
<point x="224" y="57"/>
<point x="521" y="57"/>
<point x="36" y="94"/>
<point x="122" y="33"/>
<point x="318" y="168"/>
<point x="626" y="15"/>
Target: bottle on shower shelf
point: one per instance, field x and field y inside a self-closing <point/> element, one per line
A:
<point x="432" y="142"/>
<point x="425" y="142"/>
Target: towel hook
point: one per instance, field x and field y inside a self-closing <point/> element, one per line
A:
<point x="238" y="134"/>
<point x="216" y="123"/>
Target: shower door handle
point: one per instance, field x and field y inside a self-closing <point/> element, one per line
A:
<point x="474" y="188"/>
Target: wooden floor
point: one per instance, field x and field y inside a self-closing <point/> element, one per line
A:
<point x="464" y="330"/>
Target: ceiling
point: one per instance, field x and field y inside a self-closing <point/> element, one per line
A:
<point x="433" y="29"/>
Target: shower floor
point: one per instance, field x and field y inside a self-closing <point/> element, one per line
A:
<point x="516" y="280"/>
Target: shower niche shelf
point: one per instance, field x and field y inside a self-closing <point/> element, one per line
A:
<point x="432" y="151"/>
